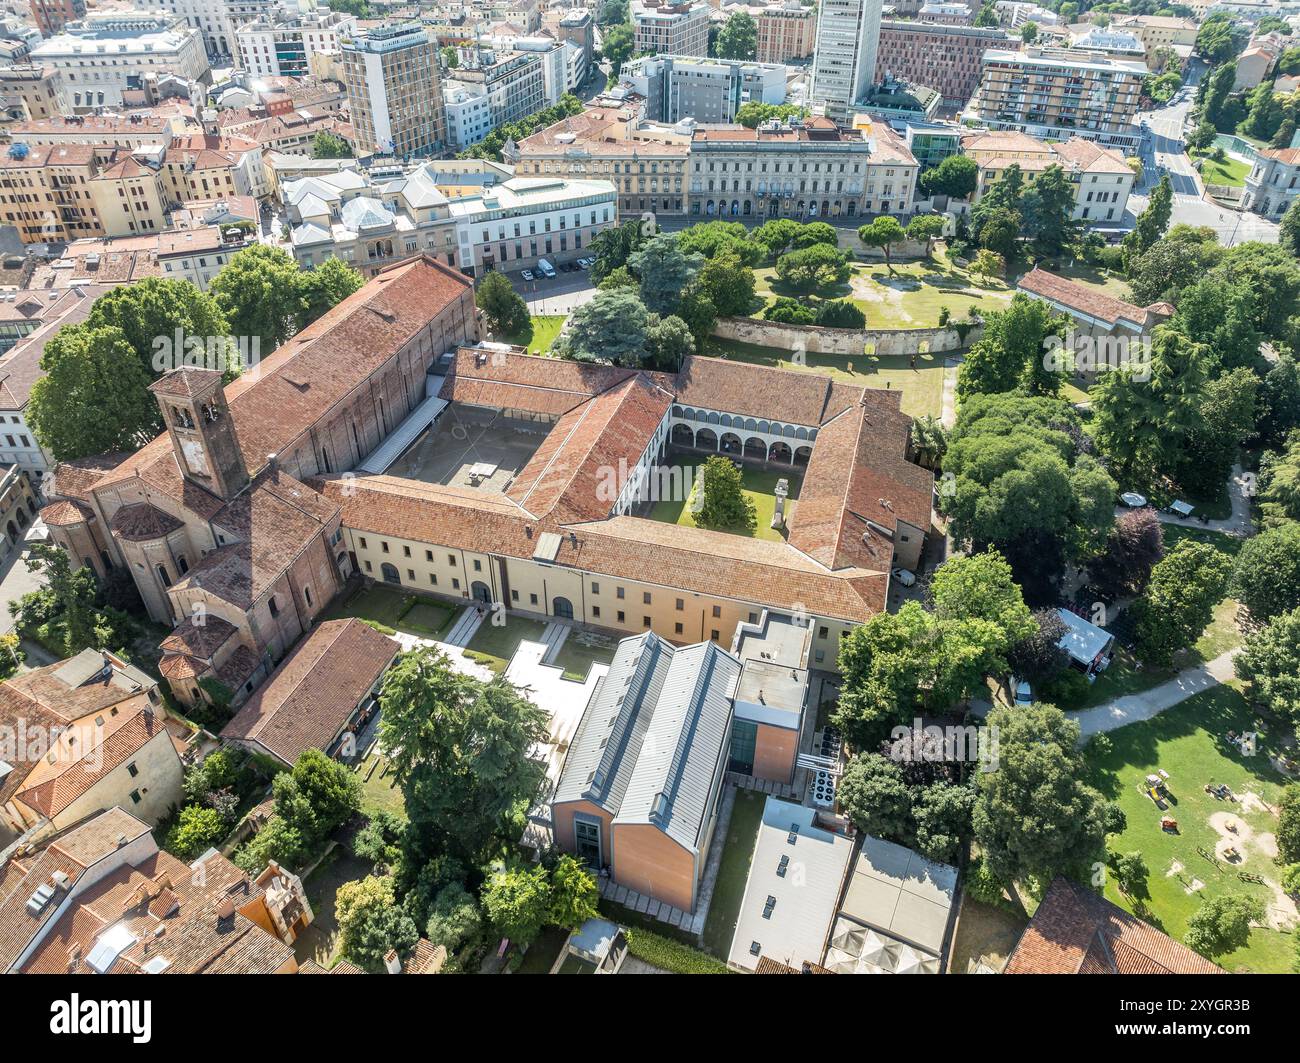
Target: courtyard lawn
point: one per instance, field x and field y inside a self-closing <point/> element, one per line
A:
<point x="493" y="645"/>
<point x="984" y="931"/>
<point x="393" y="609"/>
<point x="379" y="787"/>
<point x="921" y="385"/>
<point x="733" y="872"/>
<point x="581" y="649"/>
<point x="319" y="941"/>
<point x="759" y="485"/>
<point x="1189" y="743"/>
<point x="541" y="333"/>
<point x="1231" y="172"/>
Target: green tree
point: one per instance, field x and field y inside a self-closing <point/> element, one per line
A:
<point x="814" y="268"/>
<point x="1270" y="662"/>
<point x="840" y="313"/>
<point x="1288" y="825"/>
<point x="776" y="235"/>
<point x="260" y="294"/>
<point x="573" y="895"/>
<point x="816" y="232"/>
<point x="328" y="146"/>
<point x="1222" y="923"/>
<point x="1178" y="605"/>
<point x="1266" y="579"/>
<point x="738" y="38"/>
<point x="924" y="228"/>
<point x="612" y="247"/>
<point x="728" y="283"/>
<point x="1279" y="483"/>
<point x="195" y="831"/>
<point x="505" y="309"/>
<point x="616" y="45"/>
<point x="882" y="233"/>
<point x="981" y="587"/>
<point x="956" y="176"/>
<point x="463" y="755"/>
<point x="1152" y="222"/>
<point x="714" y="238"/>
<point x="1130" y="870"/>
<point x="753" y="113"/>
<point x="1013" y="350"/>
<point x="1218" y="88"/>
<point x="1038" y="658"/>
<point x="1144" y="413"/>
<point x="371" y="922"/>
<point x="324" y="287"/>
<point x="1047" y="211"/>
<point x="1226" y="420"/>
<point x="876" y="798"/>
<point x="665" y="270"/>
<point x="157" y="316"/>
<point x="989" y="264"/>
<point x="719" y="499"/>
<point x="1180" y="258"/>
<point x="1029" y="32"/>
<point x="929" y="440"/>
<point x="668" y="343"/>
<point x="517" y="899"/>
<point x="1214" y="40"/>
<point x="943" y="813"/>
<point x="611" y="327"/>
<point x="450" y="58"/>
<point x="1036" y="816"/>
<point x="93" y="396"/>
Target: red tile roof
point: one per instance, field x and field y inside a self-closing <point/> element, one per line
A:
<point x="1076" y="931"/>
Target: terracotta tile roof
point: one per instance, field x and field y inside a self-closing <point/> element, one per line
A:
<point x="199" y="640"/>
<point x="236" y="669"/>
<point x="142" y="522"/>
<point x="172" y="911"/>
<point x="74" y="479"/>
<point x="62" y="514"/>
<point x="564" y="477"/>
<point x="767" y="965"/>
<point x="1288" y="156"/>
<point x="273" y="520"/>
<point x="1075" y="931"/>
<point x="426" y="958"/>
<point x="1089" y="157"/>
<point x="70" y="853"/>
<point x="81" y="767"/>
<point x="313" y="693"/>
<point x="180" y="666"/>
<point x="1083" y="300"/>
<point x="761" y="392"/>
<point x="20" y="367"/>
<point x="859" y="476"/>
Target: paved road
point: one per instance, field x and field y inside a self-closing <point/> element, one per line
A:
<point x="15" y="581"/>
<point x="562" y="294"/>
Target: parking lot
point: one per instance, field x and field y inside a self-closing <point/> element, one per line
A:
<point x="561" y="294"/>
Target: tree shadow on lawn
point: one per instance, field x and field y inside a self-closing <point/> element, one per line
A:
<point x="1216" y="712"/>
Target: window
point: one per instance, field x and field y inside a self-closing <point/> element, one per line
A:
<point x="428" y="556"/>
<point x="369" y="567"/>
<point x="677" y="629"/>
<point x="532" y="599"/>
<point x="478" y="565"/>
<point x="822" y="632"/>
<point x="645" y="621"/>
<point x="451" y="560"/>
<point x="406" y="551"/>
<point x="586" y="841"/>
<point x="132" y="770"/>
<point x="680" y="605"/>
<point x="620" y="616"/>
<point x="715" y="636"/>
<point x="135" y="797"/>
<point x="595" y="587"/>
<point x="619" y="593"/>
<point x="645" y="598"/>
<point x="717" y="611"/>
<point x="455" y="583"/>
<point x="744" y="739"/>
<point x="595" y="610"/>
<point x="274" y="606"/>
<point x="383" y="545"/>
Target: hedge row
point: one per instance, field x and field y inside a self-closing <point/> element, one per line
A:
<point x="670" y="955"/>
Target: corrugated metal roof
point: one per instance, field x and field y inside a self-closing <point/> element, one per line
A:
<point x="653" y="735"/>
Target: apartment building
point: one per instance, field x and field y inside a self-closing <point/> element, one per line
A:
<point x="1158" y="31"/>
<point x="40" y="91"/>
<point x="51" y="16"/>
<point x="45" y="191"/>
<point x="786" y="30"/>
<point x="1113" y="43"/>
<point x="810" y="169"/>
<point x="106" y="55"/>
<point x="1102" y="179"/>
<point x="217" y="20"/>
<point x="578" y="27"/>
<point x="946" y="14"/>
<point x="394" y="90"/>
<point x="1273" y="182"/>
<point x="1058" y="94"/>
<point x="707" y="90"/>
<point x="844" y="60"/>
<point x="645" y="161"/>
<point x="664" y="27"/>
<point x="948" y="58"/>
<point x="469" y="113"/>
<point x="513" y="81"/>
<point x="284" y="46"/>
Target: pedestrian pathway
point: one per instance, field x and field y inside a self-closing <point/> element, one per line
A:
<point x="465" y="626"/>
<point x="553" y="638"/>
<point x="1148" y="703"/>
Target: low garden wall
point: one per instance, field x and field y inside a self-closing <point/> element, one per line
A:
<point x="818" y="340"/>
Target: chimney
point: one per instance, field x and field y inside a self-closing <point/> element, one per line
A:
<point x="273" y="462"/>
<point x="392" y="964"/>
<point x="225" y="910"/>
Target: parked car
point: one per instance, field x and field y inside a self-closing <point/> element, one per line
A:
<point x="527" y="274"/>
<point x="545" y="268"/>
<point x="585" y="263"/>
<point x="1022" y="691"/>
<point x="1133" y="500"/>
<point x="905" y="577"/>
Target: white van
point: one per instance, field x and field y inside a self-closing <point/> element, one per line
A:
<point x="545" y="268"/>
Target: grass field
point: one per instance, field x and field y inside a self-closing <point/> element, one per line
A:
<point x="733" y="872"/>
<point x="581" y="649"/>
<point x="396" y="610"/>
<point x="540" y="334"/>
<point x="1231" y="172"/>
<point x="984" y="932"/>
<point x="758" y="487"/>
<point x="921" y="385"/>
<point x="379" y="787"/>
<point x="493" y="646"/>
<point x="1188" y="742"/>
<point x="911" y="296"/>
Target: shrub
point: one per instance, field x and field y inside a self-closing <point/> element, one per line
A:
<point x="1067" y="691"/>
<point x="789" y="311"/>
<point x="670" y="955"/>
<point x="840" y="313"/>
<point x="982" y="884"/>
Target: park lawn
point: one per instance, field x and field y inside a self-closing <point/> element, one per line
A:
<point x="984" y="931"/>
<point x="1187" y="742"/>
<point x="1231" y="172"/>
<point x="922" y="385"/>
<point x="911" y="296"/>
<point x="540" y="334"/>
<point x="733" y="872"/>
<point x="396" y="610"/>
<point x="580" y="650"/>
<point x="494" y="645"/>
<point x="758" y="486"/>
